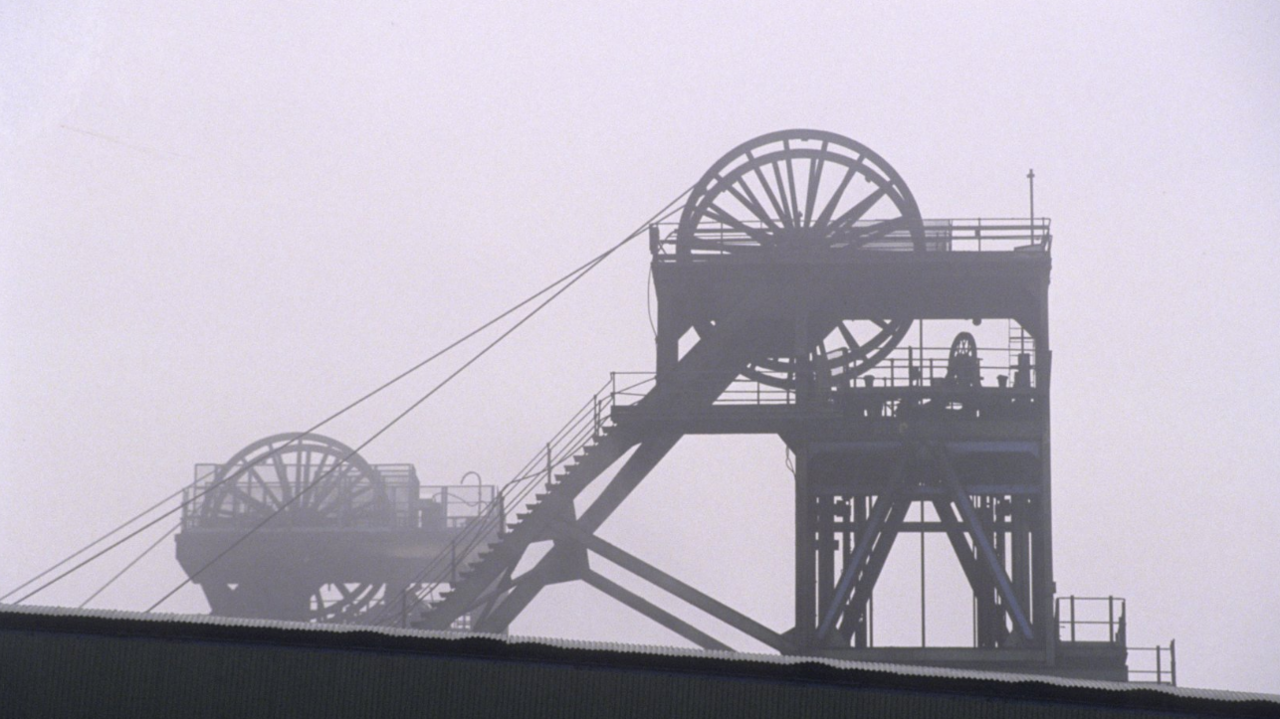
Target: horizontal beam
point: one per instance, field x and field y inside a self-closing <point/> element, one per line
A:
<point x="821" y="422"/>
<point x="929" y="493"/>
<point x="985" y="550"/>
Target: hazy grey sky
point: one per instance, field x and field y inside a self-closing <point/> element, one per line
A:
<point x="220" y="221"/>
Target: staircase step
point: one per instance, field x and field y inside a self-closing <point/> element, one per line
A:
<point x="587" y="461"/>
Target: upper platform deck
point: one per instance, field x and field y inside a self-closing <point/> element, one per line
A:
<point x="865" y="241"/>
<point x="941" y="269"/>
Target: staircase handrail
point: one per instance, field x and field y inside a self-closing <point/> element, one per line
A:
<point x="586" y="424"/>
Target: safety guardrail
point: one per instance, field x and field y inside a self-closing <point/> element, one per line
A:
<point x="904" y="368"/>
<point x="587" y="424"/>
<point x="409" y="505"/>
<point x="1102" y="619"/>
<point x="977" y="234"/>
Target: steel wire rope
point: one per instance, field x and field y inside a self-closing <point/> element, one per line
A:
<point x="581" y="437"/>
<point x="89" y="546"/>
<point x="129" y="566"/>
<point x="576" y="433"/>
<point x="474" y="533"/>
<point x="315" y="482"/>
<point x="524" y="474"/>
<point x="213" y="485"/>
<point x="577" y="275"/>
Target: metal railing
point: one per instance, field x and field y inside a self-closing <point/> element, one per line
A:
<point x="904" y="368"/>
<point x="1001" y="234"/>
<point x="1165" y="662"/>
<point x="403" y="502"/>
<point x="211" y="503"/>
<point x="1104" y="622"/>
<point x="454" y="506"/>
<point x="1104" y="619"/>
<point x="586" y="425"/>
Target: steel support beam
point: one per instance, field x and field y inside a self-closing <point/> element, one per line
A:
<point x="964" y="552"/>
<point x="527" y="586"/>
<point x="985" y="550"/>
<point x="652" y="611"/>
<point x="844" y="590"/>
<point x="674" y="586"/>
<point x="879" y="554"/>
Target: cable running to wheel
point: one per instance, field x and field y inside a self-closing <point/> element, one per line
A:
<point x="195" y="496"/>
<point x="581" y="272"/>
<point x="129" y="566"/>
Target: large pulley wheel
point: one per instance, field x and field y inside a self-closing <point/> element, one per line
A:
<point x="852" y="348"/>
<point x="308" y="480"/>
<point x="798" y="191"/>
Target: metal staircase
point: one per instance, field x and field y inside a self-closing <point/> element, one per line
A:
<point x="484" y="577"/>
<point x="540" y="499"/>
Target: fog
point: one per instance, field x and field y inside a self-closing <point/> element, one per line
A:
<point x="225" y="222"/>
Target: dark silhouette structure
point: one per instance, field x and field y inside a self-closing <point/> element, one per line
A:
<point x="786" y="295"/>
<point x="303" y="528"/>
<point x="60" y="663"/>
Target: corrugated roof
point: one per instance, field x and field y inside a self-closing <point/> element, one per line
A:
<point x="745" y="658"/>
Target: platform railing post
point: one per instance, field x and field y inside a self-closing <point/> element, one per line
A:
<point x="548" y="463"/>
<point x="1159" y="668"/>
<point x="500" y="501"/>
<point x="1111" y="619"/>
<point x="1173" y="664"/>
<point x="1073" y="617"/>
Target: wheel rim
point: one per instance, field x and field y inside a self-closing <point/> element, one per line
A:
<point x="848" y="351"/>
<point x="796" y="190"/>
<point x="307" y="480"/>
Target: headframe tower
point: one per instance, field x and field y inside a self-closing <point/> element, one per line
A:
<point x="787" y="294"/>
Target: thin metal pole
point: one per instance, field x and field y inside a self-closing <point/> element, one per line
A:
<point x="871" y="619"/>
<point x="920" y="333"/>
<point x="1031" y="225"/>
<point x="1073" y="617"/>
<point x="922" y="585"/>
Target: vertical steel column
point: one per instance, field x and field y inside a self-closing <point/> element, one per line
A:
<point x="806" y="547"/>
<point x="806" y="582"/>
<point x="669" y="331"/>
<point x="1044" y="586"/>
<point x="825" y="505"/>
<point x="923" y="636"/>
<point x="856" y="623"/>
<point x="1019" y="543"/>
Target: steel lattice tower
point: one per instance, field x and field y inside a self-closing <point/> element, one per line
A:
<point x="786" y="291"/>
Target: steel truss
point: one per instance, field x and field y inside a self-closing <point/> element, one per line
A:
<point x="799" y="264"/>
